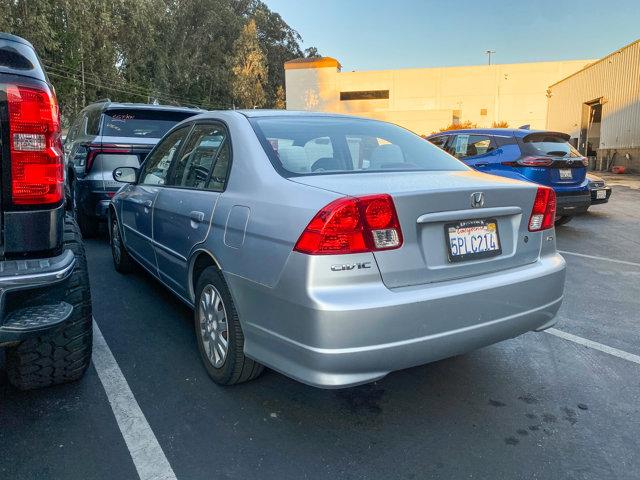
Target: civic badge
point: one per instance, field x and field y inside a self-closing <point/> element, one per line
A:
<point x="477" y="200"/>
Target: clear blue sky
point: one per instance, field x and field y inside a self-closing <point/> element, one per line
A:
<point x="375" y="34"/>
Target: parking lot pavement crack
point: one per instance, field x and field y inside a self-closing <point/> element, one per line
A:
<point x="146" y="453"/>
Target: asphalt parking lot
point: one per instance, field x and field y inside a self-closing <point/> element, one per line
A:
<point x="538" y="406"/>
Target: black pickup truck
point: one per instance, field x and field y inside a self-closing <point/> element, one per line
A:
<point x="45" y="300"/>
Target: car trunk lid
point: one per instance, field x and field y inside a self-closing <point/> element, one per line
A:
<point x="427" y="202"/>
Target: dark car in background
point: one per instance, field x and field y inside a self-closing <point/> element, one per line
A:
<point x="45" y="300"/>
<point x="106" y="135"/>
<point x="600" y="191"/>
<point x="543" y="157"/>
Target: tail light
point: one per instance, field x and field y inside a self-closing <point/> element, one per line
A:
<point x="94" y="149"/>
<point x="531" y="162"/>
<point x="543" y="213"/>
<point x="352" y="225"/>
<point x="37" y="166"/>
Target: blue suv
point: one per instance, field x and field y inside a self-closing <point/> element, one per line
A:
<point x="538" y="156"/>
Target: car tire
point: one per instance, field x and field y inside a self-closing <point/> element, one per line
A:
<point x="234" y="367"/>
<point x="562" y="220"/>
<point x="63" y="354"/>
<point x="88" y="225"/>
<point x="122" y="261"/>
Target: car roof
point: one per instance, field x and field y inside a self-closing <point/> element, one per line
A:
<point x="505" y="132"/>
<point x="109" y="105"/>
<point x="14" y="38"/>
<point x="292" y="113"/>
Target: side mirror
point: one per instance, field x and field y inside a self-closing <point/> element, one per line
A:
<point x="126" y="174"/>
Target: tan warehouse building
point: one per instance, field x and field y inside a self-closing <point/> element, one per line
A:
<point x="427" y="99"/>
<point x="599" y="106"/>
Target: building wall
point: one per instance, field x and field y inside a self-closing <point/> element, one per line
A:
<point x="615" y="79"/>
<point x="424" y="100"/>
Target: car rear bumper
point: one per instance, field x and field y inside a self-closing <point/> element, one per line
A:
<point x="16" y="275"/>
<point x="572" y="203"/>
<point x="340" y="336"/>
<point x="594" y="195"/>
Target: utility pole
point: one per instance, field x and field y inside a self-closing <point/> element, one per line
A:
<point x="488" y="53"/>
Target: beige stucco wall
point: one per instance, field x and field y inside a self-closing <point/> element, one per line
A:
<point x="423" y="100"/>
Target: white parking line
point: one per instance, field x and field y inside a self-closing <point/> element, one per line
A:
<point x="605" y="259"/>
<point x="145" y="451"/>
<point x="595" y="345"/>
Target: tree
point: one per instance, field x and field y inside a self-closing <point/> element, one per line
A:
<point x="500" y="124"/>
<point x="281" y="101"/>
<point x="459" y="126"/>
<point x="311" y="52"/>
<point x="249" y="69"/>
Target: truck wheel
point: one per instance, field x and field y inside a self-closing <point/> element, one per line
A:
<point x="218" y="332"/>
<point x="563" y="220"/>
<point x="63" y="354"/>
<point x="88" y="225"/>
<point x="122" y="262"/>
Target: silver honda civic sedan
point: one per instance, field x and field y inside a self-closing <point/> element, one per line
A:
<point x="334" y="249"/>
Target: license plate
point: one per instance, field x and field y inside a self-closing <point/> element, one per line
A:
<point x="565" y="174"/>
<point x="601" y="194"/>
<point x="472" y="240"/>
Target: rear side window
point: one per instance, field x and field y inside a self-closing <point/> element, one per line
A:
<point x="140" y="123"/>
<point x="439" y="141"/>
<point x="16" y="57"/>
<point x="466" y="145"/>
<point x="314" y="145"/>
<point x="199" y="159"/>
<point x="550" y="144"/>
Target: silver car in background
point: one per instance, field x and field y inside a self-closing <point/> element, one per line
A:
<point x="334" y="249"/>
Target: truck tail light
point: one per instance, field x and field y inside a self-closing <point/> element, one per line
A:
<point x="352" y="225"/>
<point x="543" y="214"/>
<point x="37" y="166"/>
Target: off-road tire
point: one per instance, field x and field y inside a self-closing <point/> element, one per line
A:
<point x="122" y="261"/>
<point x="63" y="354"/>
<point x="89" y="226"/>
<point x="237" y="368"/>
<point x="564" y="219"/>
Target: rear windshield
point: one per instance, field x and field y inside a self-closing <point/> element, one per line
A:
<point x="140" y="123"/>
<point x="320" y="145"/>
<point x="19" y="58"/>
<point x="549" y="144"/>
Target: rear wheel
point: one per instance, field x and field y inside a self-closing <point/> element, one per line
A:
<point x="563" y="220"/>
<point x="218" y="332"/>
<point x="63" y="354"/>
<point x="88" y="225"/>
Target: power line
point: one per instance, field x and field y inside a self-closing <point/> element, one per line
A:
<point x="67" y="72"/>
<point x="131" y="89"/>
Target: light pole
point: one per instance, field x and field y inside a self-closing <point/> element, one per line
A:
<point x="489" y="52"/>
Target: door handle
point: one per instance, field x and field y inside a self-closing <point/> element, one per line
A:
<point x="482" y="164"/>
<point x="196" y="216"/>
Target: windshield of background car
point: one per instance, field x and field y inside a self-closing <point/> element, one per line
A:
<point x="549" y="144"/>
<point x="140" y="123"/>
<point x="298" y="145"/>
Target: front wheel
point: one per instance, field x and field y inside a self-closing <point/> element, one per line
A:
<point x="562" y="220"/>
<point x="218" y="332"/>
<point x="122" y="262"/>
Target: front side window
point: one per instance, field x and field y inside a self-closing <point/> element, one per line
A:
<point x="466" y="145"/>
<point x="157" y="164"/>
<point x="197" y="160"/>
<point x="313" y="145"/>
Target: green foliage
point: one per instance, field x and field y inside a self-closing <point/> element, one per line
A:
<point x="173" y="52"/>
<point x="249" y="69"/>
